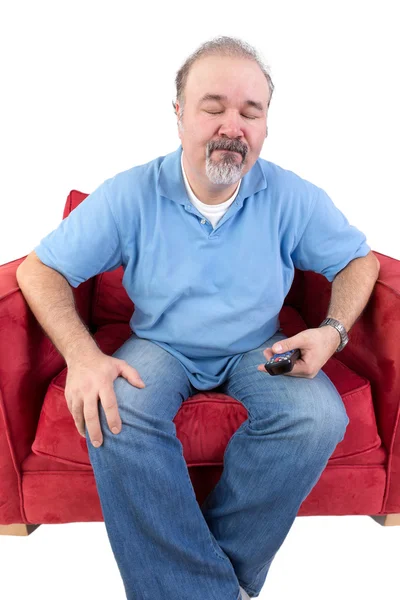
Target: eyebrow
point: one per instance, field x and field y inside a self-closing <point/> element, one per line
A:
<point x="219" y="97"/>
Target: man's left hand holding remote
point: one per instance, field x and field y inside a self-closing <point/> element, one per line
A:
<point x="316" y="345"/>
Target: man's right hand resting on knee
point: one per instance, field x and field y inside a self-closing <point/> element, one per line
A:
<point x="89" y="379"/>
<point x="91" y="373"/>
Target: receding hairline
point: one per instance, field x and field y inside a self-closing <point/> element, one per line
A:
<point x="224" y="47"/>
<point x="219" y="97"/>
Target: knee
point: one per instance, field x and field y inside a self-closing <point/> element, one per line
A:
<point x="342" y="422"/>
<point x="329" y="423"/>
<point x="328" y="416"/>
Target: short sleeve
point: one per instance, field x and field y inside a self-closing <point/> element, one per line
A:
<point x="86" y="242"/>
<point x="328" y="242"/>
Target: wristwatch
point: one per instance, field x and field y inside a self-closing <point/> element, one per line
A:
<point x="340" y="328"/>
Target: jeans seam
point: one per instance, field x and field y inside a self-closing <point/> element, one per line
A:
<point x="221" y="556"/>
<point x="224" y="557"/>
<point x="234" y="395"/>
<point x="247" y="587"/>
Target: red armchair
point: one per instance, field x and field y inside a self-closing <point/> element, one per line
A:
<point x="45" y="472"/>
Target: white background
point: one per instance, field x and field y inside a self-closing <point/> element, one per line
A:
<point x="87" y="91"/>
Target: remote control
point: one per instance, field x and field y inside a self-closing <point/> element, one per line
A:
<point x="282" y="363"/>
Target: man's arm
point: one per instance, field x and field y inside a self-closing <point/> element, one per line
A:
<point x="50" y="297"/>
<point x="351" y="290"/>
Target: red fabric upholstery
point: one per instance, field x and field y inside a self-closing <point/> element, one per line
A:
<point x="207" y="420"/>
<point x="45" y="472"/>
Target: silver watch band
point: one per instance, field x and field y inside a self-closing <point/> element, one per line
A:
<point x="340" y="328"/>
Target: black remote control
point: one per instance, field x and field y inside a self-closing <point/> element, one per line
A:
<point x="282" y="363"/>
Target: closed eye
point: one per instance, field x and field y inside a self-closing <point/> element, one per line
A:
<point x="220" y="112"/>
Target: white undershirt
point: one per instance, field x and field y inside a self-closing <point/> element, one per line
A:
<point x="213" y="212"/>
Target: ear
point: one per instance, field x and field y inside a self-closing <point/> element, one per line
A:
<point x="178" y="111"/>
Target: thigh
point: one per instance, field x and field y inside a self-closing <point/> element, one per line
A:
<point x="314" y="402"/>
<point x="167" y="384"/>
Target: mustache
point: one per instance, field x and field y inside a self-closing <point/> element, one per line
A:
<point x="231" y="145"/>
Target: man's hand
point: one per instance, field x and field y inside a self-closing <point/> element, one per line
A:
<point x="316" y="347"/>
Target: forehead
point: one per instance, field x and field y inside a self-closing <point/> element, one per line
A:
<point x="230" y="76"/>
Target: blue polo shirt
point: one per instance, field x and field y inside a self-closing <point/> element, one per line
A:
<point x="206" y="289"/>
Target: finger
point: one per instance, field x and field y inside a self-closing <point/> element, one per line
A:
<point x="297" y="374"/>
<point x="268" y="353"/>
<point x="298" y="371"/>
<point x="77" y="415"/>
<point x="110" y="405"/>
<point x="292" y="374"/>
<point x="92" y="420"/>
<point x="131" y="375"/>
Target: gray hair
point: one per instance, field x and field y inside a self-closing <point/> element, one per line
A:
<point x="220" y="46"/>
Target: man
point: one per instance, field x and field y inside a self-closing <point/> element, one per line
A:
<point x="209" y="236"/>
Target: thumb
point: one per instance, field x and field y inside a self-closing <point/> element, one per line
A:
<point x="286" y="345"/>
<point x="131" y="374"/>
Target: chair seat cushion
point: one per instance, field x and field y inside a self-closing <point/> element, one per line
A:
<point x="206" y="421"/>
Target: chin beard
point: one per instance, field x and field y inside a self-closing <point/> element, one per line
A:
<point x="225" y="171"/>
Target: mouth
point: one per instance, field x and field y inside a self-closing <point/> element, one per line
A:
<point x="230" y="152"/>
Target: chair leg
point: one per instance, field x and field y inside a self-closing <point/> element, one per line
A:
<point x="387" y="520"/>
<point x="18" y="529"/>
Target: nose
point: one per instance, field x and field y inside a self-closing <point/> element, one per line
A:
<point x="231" y="125"/>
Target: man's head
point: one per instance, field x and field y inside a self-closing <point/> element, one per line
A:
<point x="208" y="126"/>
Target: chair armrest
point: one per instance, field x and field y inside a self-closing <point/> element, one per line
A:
<point x="373" y="351"/>
<point x="28" y="362"/>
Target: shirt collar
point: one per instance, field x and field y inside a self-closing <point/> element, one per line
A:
<point x="170" y="181"/>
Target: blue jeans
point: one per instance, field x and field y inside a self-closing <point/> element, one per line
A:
<point x="166" y="546"/>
